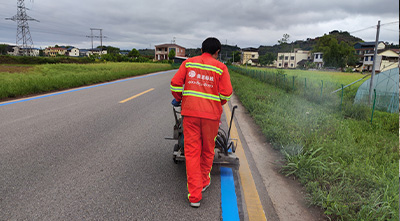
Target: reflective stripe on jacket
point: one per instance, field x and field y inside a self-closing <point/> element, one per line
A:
<point x="203" y="84"/>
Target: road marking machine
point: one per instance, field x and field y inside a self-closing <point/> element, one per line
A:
<point x="224" y="146"/>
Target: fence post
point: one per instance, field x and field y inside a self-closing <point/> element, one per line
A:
<point x="373" y="106"/>
<point x="341" y="99"/>
<point x="293" y="83"/>
<point x="305" y="85"/>
<point x="322" y="87"/>
<point x="284" y="81"/>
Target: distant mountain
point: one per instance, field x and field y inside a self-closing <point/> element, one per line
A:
<point x="308" y="44"/>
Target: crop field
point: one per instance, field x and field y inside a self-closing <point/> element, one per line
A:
<point x="21" y="80"/>
<point x="348" y="164"/>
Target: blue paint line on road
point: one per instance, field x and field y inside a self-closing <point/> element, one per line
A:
<point x="82" y="88"/>
<point x="229" y="206"/>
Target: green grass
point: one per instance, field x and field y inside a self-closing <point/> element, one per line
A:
<point x="316" y="86"/>
<point x="52" y="77"/>
<point x="348" y="165"/>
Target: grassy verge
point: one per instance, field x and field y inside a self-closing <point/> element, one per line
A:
<point x="348" y="165"/>
<point x="51" y="77"/>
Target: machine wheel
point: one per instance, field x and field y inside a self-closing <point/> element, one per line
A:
<point x="176" y="147"/>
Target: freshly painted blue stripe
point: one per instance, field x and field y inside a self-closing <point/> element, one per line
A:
<point x="82" y="88"/>
<point x="229" y="206"/>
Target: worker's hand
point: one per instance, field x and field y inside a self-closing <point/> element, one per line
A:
<point x="176" y="103"/>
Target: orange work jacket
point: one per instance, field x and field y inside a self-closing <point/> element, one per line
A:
<point x="203" y="85"/>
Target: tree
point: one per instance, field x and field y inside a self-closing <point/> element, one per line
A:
<point x="110" y="49"/>
<point x="171" y="54"/>
<point x="3" y="49"/>
<point x="134" y="53"/>
<point x="284" y="39"/>
<point x="335" y="54"/>
<point x="267" y="59"/>
<point x="236" y="57"/>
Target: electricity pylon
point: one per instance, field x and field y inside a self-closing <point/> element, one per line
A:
<point x="24" y="39"/>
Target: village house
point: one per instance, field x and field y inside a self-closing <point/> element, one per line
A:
<point x="73" y="52"/>
<point x="13" y="50"/>
<point x="292" y="59"/>
<point x="385" y="60"/>
<point x="363" y="48"/>
<point x="162" y="51"/>
<point x="54" y="51"/>
<point x="249" y="56"/>
<point x="318" y="60"/>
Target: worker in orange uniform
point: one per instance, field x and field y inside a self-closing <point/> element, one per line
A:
<point x="203" y="85"/>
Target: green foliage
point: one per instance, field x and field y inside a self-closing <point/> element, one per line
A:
<point x="171" y="54"/>
<point x="335" y="54"/>
<point x="356" y="111"/>
<point x="267" y="59"/>
<point x="3" y="49"/>
<point x="236" y="56"/>
<point x="348" y="166"/>
<point x="110" y="49"/>
<point x="134" y="53"/>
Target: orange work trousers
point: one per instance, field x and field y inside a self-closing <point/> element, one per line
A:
<point x="199" y="143"/>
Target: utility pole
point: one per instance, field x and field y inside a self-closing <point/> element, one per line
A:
<point x="374" y="63"/>
<point x="24" y="38"/>
<point x="100" y="36"/>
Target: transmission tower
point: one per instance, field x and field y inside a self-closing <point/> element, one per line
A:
<point x="91" y="36"/>
<point x="24" y="39"/>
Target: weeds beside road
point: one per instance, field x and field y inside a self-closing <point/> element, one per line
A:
<point x="348" y="165"/>
<point x="36" y="79"/>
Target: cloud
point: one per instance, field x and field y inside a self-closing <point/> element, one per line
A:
<point x="144" y="23"/>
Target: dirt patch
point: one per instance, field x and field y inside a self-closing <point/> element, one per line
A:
<point x="15" y="68"/>
<point x="287" y="195"/>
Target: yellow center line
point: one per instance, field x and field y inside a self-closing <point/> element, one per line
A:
<point x="254" y="208"/>
<point x="137" y="95"/>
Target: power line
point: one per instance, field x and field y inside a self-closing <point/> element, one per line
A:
<point x="394" y="22"/>
<point x="373" y="27"/>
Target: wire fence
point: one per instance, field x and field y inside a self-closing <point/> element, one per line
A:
<point x="318" y="91"/>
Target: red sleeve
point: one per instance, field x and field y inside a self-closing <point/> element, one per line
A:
<point x="178" y="81"/>
<point x="225" y="86"/>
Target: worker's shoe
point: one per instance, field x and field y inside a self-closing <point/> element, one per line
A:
<point x="195" y="205"/>
<point x="205" y="188"/>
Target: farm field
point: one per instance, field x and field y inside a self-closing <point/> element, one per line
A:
<point x="348" y="165"/>
<point x="332" y="77"/>
<point x="22" y="80"/>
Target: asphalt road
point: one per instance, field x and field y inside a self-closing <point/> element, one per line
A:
<point x="84" y="156"/>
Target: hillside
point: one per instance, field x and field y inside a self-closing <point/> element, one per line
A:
<point x="308" y="44"/>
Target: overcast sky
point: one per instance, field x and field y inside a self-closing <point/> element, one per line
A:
<point x="246" y="23"/>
